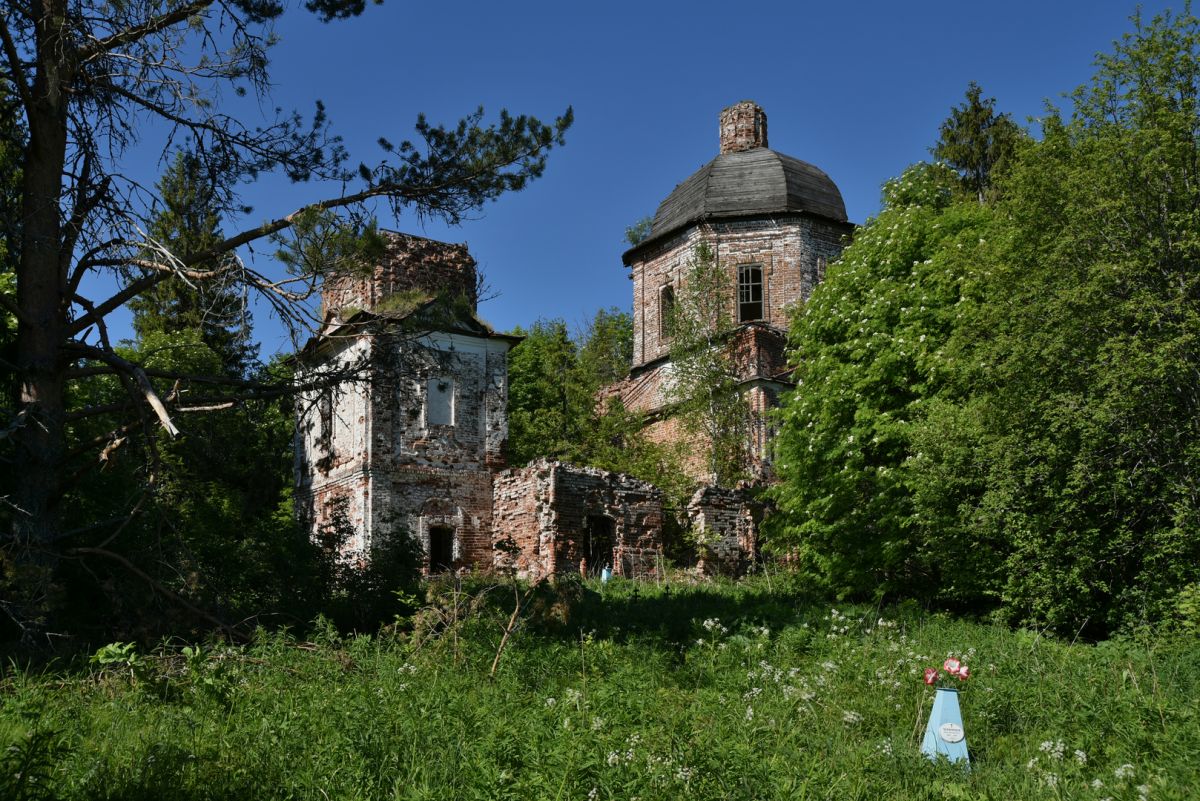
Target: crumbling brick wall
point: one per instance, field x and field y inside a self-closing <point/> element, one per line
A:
<point x="330" y="452"/>
<point x="415" y="440"/>
<point x="440" y="474"/>
<point x="792" y="249"/>
<point x="409" y="264"/>
<point x="554" y="512"/>
<point x="725" y="521"/>
<point x="645" y="393"/>
<point x="523" y="518"/>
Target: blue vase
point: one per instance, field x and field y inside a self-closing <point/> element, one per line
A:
<point x="945" y="734"/>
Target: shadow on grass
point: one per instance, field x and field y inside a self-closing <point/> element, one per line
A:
<point x="673" y="613"/>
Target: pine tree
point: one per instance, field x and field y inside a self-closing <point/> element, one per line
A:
<point x="91" y="80"/>
<point x="977" y="141"/>
<point x="189" y="223"/>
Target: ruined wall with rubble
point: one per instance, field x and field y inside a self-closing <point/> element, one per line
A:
<point x="524" y="519"/>
<point x="409" y="264"/>
<point x="725" y="522"/>
<point x="558" y="515"/>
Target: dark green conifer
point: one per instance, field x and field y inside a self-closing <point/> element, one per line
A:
<point x="976" y="141"/>
<point x="188" y="223"/>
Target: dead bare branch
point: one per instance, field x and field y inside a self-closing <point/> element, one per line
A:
<point x="136" y="373"/>
<point x="138" y="32"/>
<point x="15" y="68"/>
<point x="511" y="626"/>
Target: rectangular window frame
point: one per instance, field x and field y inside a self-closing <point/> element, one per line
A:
<point x="666" y="308"/>
<point x="750" y="293"/>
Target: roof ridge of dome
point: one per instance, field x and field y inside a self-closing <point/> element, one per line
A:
<point x="751" y="182"/>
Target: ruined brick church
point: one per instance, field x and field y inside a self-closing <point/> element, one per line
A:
<point x="414" y="442"/>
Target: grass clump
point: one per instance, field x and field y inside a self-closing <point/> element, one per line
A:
<point x="721" y="691"/>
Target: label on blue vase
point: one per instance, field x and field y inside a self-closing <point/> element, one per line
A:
<point x="951" y="732"/>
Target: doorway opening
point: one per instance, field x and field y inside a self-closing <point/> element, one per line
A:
<point x="441" y="549"/>
<point x="599" y="537"/>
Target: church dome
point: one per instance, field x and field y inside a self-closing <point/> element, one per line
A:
<point x="748" y="179"/>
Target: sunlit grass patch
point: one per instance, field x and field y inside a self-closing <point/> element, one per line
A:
<point x="701" y="691"/>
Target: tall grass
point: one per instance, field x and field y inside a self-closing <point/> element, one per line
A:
<point x="730" y="691"/>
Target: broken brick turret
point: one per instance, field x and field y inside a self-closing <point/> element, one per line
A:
<point x="743" y="127"/>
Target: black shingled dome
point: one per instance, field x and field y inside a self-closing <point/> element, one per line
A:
<point x="758" y="181"/>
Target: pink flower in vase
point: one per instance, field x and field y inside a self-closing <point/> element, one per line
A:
<point x="931" y="676"/>
<point x="964" y="673"/>
<point x="952" y="665"/>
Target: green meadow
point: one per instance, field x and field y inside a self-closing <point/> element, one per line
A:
<point x="698" y="690"/>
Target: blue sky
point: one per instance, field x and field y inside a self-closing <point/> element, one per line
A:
<point x="856" y="88"/>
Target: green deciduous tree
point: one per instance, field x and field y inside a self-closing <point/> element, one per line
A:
<point x="554" y="378"/>
<point x="703" y="385"/>
<point x="1000" y="402"/>
<point x="543" y="409"/>
<point x="870" y="356"/>
<point x="556" y="409"/>
<point x="605" y="349"/>
<point x="638" y="232"/>
<point x="1084" y="419"/>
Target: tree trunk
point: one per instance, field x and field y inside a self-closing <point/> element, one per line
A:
<point x="40" y="284"/>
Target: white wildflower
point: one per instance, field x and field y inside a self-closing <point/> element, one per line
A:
<point x="1054" y="748"/>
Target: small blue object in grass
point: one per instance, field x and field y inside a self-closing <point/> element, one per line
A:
<point x="945" y="735"/>
<point x="605" y="574"/>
